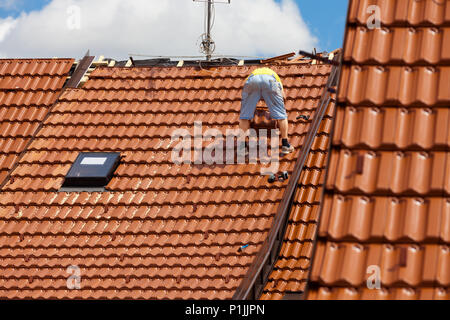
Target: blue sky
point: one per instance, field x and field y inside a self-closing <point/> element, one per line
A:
<point x="14" y="7"/>
<point x="325" y="19"/>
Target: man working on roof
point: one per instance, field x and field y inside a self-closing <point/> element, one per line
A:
<point x="265" y="83"/>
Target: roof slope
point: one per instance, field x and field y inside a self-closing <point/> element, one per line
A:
<point x="387" y="201"/>
<point x="27" y="90"/>
<point x="290" y="273"/>
<point x="160" y="230"/>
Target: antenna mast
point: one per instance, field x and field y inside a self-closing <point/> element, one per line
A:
<point x="207" y="45"/>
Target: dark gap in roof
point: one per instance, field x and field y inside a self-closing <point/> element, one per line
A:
<point x="165" y="62"/>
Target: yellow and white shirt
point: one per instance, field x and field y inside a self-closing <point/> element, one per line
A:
<point x="268" y="71"/>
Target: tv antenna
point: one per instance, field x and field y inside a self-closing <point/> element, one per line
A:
<point x="207" y="44"/>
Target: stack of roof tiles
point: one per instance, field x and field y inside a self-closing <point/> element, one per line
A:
<point x="28" y="88"/>
<point x="386" y="212"/>
<point x="159" y="230"/>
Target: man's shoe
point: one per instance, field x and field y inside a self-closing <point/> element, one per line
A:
<point x="287" y="150"/>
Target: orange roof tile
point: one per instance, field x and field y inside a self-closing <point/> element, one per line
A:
<point x="402" y="12"/>
<point x="28" y="88"/>
<point x="405" y="293"/>
<point x="398" y="45"/>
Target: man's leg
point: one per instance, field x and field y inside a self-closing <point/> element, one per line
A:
<point x="284" y="128"/>
<point x="273" y="95"/>
<point x="244" y="125"/>
<point x="250" y="97"/>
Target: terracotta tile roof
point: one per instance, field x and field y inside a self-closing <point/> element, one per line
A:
<point x="387" y="199"/>
<point x="395" y="85"/>
<point x="28" y="88"/>
<point x="290" y="273"/>
<point x="352" y="293"/>
<point x="404" y="219"/>
<point x="160" y="230"/>
<point x="393" y="127"/>
<point x="402" y="12"/>
<point x="398" y="45"/>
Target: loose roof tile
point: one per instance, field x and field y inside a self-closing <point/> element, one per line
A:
<point x="178" y="227"/>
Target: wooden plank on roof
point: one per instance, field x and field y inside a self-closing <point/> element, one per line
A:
<point x="282" y="57"/>
<point x="80" y="71"/>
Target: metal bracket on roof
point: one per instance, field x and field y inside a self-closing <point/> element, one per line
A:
<point x="80" y="71"/>
<point x="306" y="118"/>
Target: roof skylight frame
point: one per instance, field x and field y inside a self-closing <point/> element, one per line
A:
<point x="91" y="171"/>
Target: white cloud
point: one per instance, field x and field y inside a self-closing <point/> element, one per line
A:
<point x="6" y="25"/>
<point x="115" y="28"/>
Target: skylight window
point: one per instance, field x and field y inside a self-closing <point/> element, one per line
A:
<point x="92" y="169"/>
<point x="93" y="161"/>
